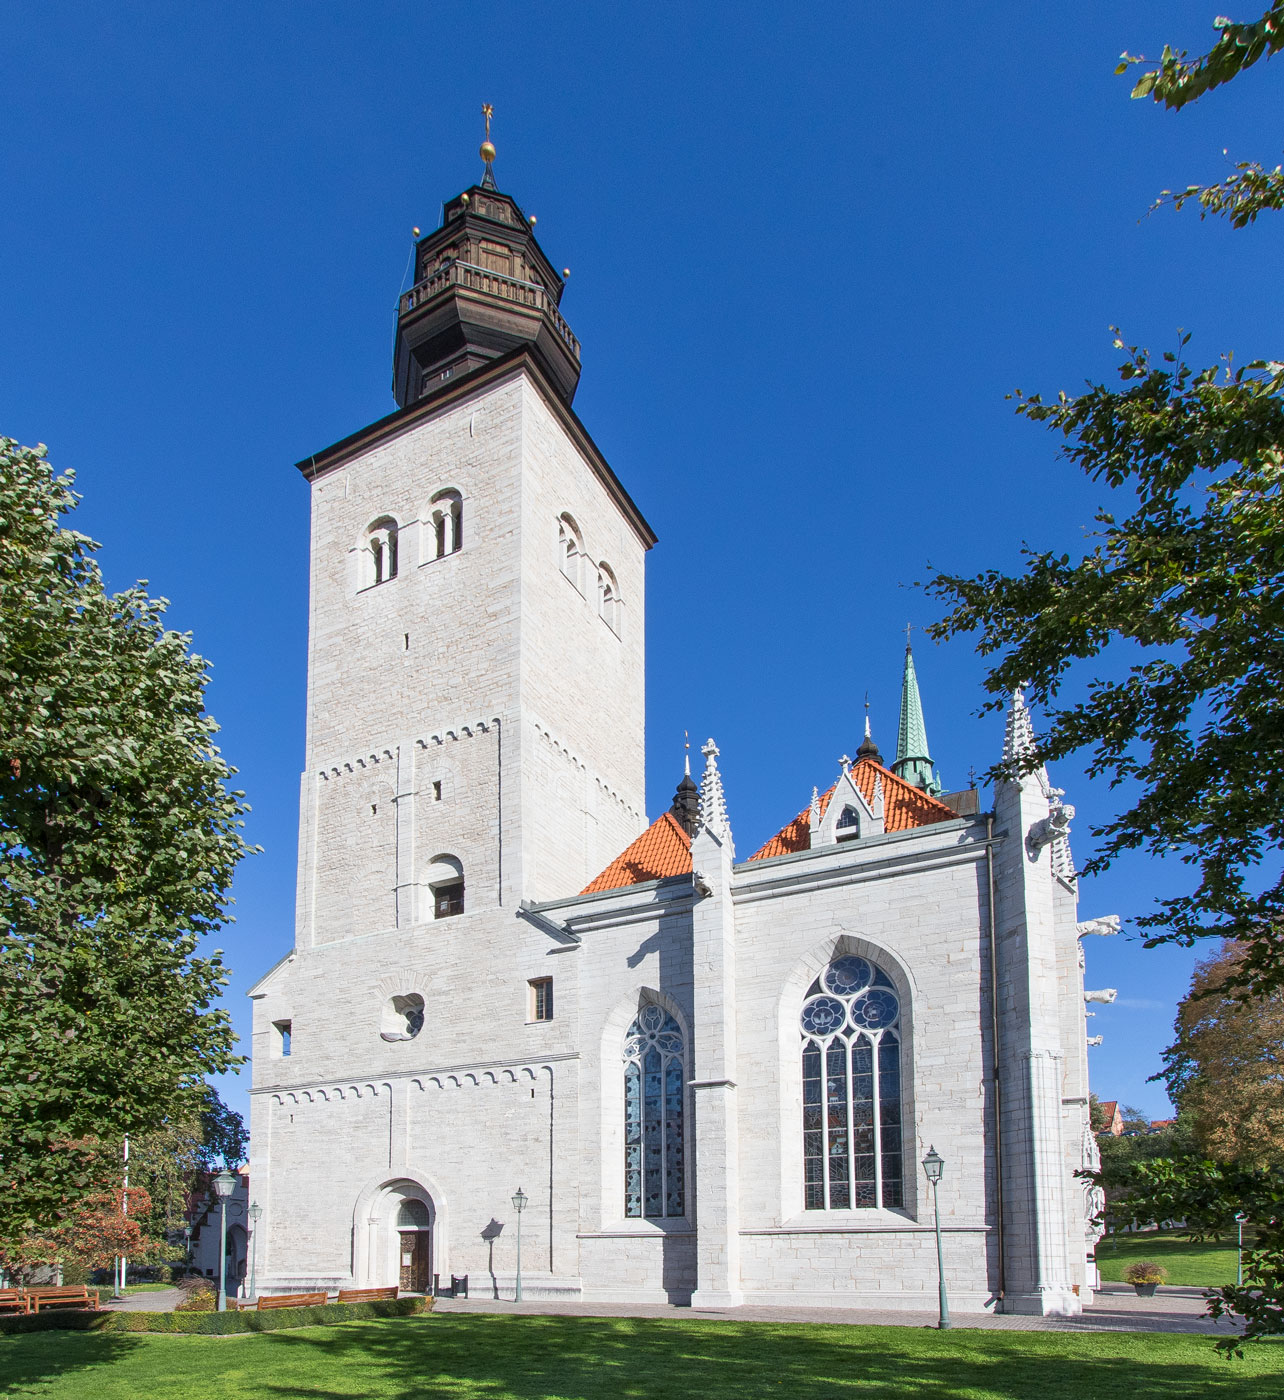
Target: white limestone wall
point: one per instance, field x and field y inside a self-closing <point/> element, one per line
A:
<point x="914" y="904"/>
<point x="366" y="685"/>
<point x="636" y="949"/>
<point x="582" y="682"/>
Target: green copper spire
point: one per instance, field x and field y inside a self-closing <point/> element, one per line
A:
<point x="913" y="761"/>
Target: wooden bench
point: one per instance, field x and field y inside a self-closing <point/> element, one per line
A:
<point x="13" y="1300"/>
<point x="291" y="1300"/>
<point x="72" y="1296"/>
<point x="366" y="1295"/>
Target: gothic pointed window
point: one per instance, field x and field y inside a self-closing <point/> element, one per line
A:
<point x="847" y="827"/>
<point x="446" y="523"/>
<point x="851" y="1075"/>
<point x="654" y="1091"/>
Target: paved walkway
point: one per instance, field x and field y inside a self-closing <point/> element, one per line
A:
<point x="157" y="1300"/>
<point x="1116" y="1308"/>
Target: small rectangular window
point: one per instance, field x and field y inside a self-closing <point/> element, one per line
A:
<point x="448" y="900"/>
<point x="282" y="1029"/>
<point x="436" y="790"/>
<point x="541" y="999"/>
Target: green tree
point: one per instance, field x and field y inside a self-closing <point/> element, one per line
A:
<point x="119" y="834"/>
<point x="1177" y="80"/>
<point x="1226" y="1066"/>
<point x="1184" y="580"/>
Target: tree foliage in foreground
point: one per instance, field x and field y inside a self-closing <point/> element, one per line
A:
<point x="119" y="834"/>
<point x="1226" y="1066"/>
<point x="1207" y="1196"/>
<point x="1190" y="581"/>
<point x="1177" y="80"/>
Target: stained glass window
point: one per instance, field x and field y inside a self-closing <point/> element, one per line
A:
<point x="851" y="1081"/>
<point x="654" y="1092"/>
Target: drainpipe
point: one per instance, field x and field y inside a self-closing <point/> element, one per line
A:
<point x="994" y="1041"/>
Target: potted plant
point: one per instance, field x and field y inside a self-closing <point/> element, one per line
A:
<point x="1145" y="1276"/>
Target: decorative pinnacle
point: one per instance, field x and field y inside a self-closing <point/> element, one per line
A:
<point x="844" y="763"/>
<point x="813" y="813"/>
<point x="1018" y="732"/>
<point x="486" y="150"/>
<point x="686" y="735"/>
<point x="713" y="802"/>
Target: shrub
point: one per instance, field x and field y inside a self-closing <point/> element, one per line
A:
<point x="198" y="1300"/>
<point x="214" y="1324"/>
<point x="1145" y="1271"/>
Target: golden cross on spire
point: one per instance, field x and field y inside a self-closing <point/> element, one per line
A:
<point x="488" y="112"/>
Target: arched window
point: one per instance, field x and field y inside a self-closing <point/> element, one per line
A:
<point x="445" y="881"/>
<point x="570" y="551"/>
<point x="446" y="521"/>
<point x="608" y="598"/>
<point x="413" y="1215"/>
<point x="654" y="1089"/>
<point x="380" y="561"/>
<point x="847" y="827"/>
<point x="851" y="1073"/>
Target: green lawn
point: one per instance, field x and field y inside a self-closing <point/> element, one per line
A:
<point x="486" y="1357"/>
<point x="1195" y="1265"/>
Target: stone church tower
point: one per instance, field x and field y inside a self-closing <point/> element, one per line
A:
<point x="712" y="1077"/>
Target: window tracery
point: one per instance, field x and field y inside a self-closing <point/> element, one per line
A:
<point x="851" y="1073"/>
<point x="654" y="1092"/>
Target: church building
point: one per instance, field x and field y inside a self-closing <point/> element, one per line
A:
<point x="521" y="1021"/>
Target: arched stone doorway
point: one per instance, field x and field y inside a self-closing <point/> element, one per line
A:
<point x="398" y="1236"/>
<point x="414" y="1246"/>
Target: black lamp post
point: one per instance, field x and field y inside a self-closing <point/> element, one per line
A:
<point x="934" y="1166"/>
<point x="519" y="1205"/>
<point x="224" y="1184"/>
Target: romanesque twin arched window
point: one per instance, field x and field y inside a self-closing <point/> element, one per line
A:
<point x="380" y="563"/>
<point x="851" y="1079"/>
<point x="443" y="534"/>
<point x="654" y="1094"/>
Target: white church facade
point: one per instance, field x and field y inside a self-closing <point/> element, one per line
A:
<point x="713" y="1077"/>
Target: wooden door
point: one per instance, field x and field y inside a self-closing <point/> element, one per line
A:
<point x="415" y="1258"/>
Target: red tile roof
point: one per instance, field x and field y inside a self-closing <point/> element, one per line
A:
<point x="904" y="807"/>
<point x="663" y="849"/>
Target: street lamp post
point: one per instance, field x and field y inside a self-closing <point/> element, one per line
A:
<point x="254" y="1212"/>
<point x="1240" y="1218"/>
<point x="224" y="1184"/>
<point x="519" y="1205"/>
<point x="934" y="1166"/>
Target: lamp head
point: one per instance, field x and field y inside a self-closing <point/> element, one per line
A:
<point x="519" y="1201"/>
<point x="934" y="1165"/>
<point x="224" y="1184"/>
<point x="255" y="1211"/>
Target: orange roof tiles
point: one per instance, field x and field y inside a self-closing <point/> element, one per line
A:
<point x="663" y="849"/>
<point x="904" y="807"/>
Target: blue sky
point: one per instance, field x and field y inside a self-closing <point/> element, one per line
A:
<point x="810" y="253"/>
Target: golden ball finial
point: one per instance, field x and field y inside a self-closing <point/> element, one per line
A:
<point x="487" y="152"/>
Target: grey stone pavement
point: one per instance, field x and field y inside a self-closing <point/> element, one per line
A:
<point x="1116" y="1308"/>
